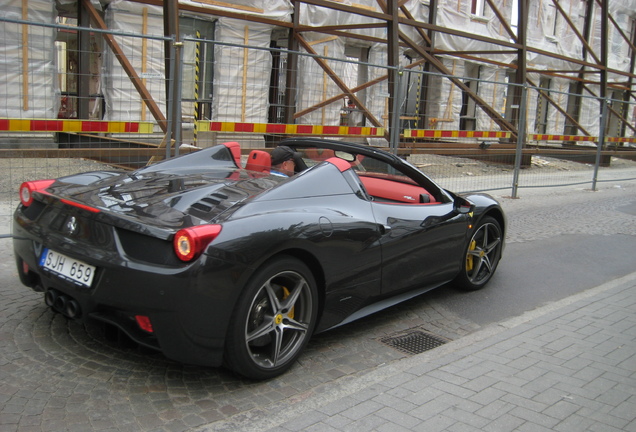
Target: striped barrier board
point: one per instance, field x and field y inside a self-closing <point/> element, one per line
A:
<point x="58" y="125"/>
<point x="288" y="129"/>
<point x="544" y="137"/>
<point x="579" y="138"/>
<point x="436" y="133"/>
<point x="101" y="126"/>
<point x="620" y="139"/>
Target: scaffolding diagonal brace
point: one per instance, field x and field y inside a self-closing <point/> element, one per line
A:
<point x="492" y="113"/>
<point x="128" y="68"/>
<point x="338" y="81"/>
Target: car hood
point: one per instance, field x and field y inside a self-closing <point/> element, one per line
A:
<point x="167" y="200"/>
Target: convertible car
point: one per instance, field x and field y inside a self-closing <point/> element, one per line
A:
<point x="214" y="260"/>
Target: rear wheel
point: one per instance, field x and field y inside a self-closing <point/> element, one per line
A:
<point x="483" y="253"/>
<point x="273" y="320"/>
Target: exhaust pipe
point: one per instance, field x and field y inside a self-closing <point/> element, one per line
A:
<point x="50" y="297"/>
<point x="60" y="303"/>
<point x="63" y="304"/>
<point x="73" y="309"/>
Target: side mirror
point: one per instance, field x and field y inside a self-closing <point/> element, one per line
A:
<point x="463" y="206"/>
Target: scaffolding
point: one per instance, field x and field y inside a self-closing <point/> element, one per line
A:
<point x="391" y="66"/>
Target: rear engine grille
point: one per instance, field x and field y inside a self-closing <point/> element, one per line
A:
<point x="147" y="249"/>
<point x="206" y="204"/>
<point x="209" y="203"/>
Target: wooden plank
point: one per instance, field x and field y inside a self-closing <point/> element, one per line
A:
<point x="325" y="86"/>
<point x="246" y="39"/>
<point x="527" y="151"/>
<point x="447" y="144"/>
<point x="144" y="57"/>
<point x="162" y="145"/>
<point x="25" y="56"/>
<point x="230" y="6"/>
<point x="324" y="40"/>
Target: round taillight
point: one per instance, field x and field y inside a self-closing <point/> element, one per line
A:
<point x="27" y="189"/>
<point x="189" y="243"/>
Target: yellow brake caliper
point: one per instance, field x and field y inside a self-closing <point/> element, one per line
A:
<point x="469" y="257"/>
<point x="285" y="295"/>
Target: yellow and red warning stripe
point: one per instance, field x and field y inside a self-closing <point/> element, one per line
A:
<point x="620" y="139"/>
<point x="544" y="137"/>
<point x="101" y="126"/>
<point x="288" y="129"/>
<point x="66" y="125"/>
<point x="436" y="133"/>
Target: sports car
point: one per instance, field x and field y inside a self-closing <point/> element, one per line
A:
<point x="214" y="260"/>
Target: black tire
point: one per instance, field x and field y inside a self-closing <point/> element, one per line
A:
<point x="481" y="256"/>
<point x="273" y="320"/>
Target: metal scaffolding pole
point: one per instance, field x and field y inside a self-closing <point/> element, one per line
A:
<point x="84" y="58"/>
<point x="521" y="138"/>
<point x="173" y="68"/>
<point x="393" y="51"/>
<point x="601" y="141"/>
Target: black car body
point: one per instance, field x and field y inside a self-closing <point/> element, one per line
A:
<point x="212" y="263"/>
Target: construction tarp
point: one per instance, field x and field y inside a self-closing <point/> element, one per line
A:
<point x="458" y="15"/>
<point x="28" y="86"/>
<point x="241" y="74"/>
<point x="314" y="83"/>
<point x="145" y="54"/>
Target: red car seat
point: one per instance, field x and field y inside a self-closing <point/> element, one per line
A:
<point x="235" y="149"/>
<point x="259" y="161"/>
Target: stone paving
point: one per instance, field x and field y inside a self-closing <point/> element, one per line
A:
<point x="56" y="374"/>
<point x="569" y="366"/>
<point x="522" y="375"/>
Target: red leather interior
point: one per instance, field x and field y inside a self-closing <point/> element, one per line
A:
<point x="319" y="154"/>
<point x="341" y="164"/>
<point x="235" y="149"/>
<point x="392" y="191"/>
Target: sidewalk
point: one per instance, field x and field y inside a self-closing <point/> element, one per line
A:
<point x="568" y="366"/>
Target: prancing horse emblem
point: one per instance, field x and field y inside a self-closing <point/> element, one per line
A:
<point x="71" y="225"/>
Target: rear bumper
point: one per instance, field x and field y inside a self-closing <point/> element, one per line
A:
<point x="189" y="307"/>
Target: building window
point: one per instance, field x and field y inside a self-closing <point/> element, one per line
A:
<point x="277" y="86"/>
<point x="616" y="126"/>
<point x="478" y="8"/>
<point x="468" y="113"/>
<point x="573" y="109"/>
<point x="553" y="22"/>
<point x="543" y="106"/>
<point x="198" y="65"/>
<point x="70" y="76"/>
<point x="632" y="36"/>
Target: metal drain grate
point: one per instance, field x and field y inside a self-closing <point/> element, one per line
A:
<point x="413" y="342"/>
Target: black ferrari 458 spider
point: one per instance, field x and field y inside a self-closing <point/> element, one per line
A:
<point x="217" y="261"/>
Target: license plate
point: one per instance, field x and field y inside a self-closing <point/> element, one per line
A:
<point x="68" y="268"/>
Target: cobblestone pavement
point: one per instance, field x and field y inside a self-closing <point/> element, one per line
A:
<point x="569" y="366"/>
<point x="59" y="375"/>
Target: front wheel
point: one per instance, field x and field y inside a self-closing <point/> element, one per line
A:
<point x="483" y="253"/>
<point x="273" y="320"/>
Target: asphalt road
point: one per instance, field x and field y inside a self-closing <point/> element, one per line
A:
<point x="536" y="273"/>
<point x="561" y="242"/>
